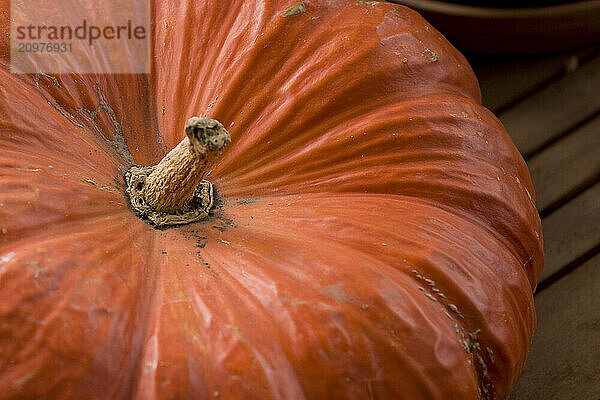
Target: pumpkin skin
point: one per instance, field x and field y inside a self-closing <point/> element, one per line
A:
<point x="377" y="235"/>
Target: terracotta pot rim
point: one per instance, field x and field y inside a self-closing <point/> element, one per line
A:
<point x="557" y="10"/>
<point x="533" y="30"/>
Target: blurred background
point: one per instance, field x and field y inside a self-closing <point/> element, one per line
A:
<point x="538" y="63"/>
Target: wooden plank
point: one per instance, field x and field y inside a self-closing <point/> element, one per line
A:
<point x="554" y="110"/>
<point x="564" y="360"/>
<point x="566" y="165"/>
<point x="571" y="231"/>
<point x="503" y="81"/>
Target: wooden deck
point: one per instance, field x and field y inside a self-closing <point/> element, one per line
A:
<point x="551" y="107"/>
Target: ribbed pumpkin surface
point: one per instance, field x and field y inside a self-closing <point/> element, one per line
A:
<point x="376" y="238"/>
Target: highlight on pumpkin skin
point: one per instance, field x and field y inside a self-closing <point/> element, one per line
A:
<point x="173" y="192"/>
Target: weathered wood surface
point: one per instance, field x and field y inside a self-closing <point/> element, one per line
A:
<point x="556" y="109"/>
<point x="572" y="231"/>
<point x="520" y="76"/>
<point x="566" y="166"/>
<point x="554" y="118"/>
<point x="564" y="361"/>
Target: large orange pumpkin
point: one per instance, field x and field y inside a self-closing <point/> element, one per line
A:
<point x="375" y="234"/>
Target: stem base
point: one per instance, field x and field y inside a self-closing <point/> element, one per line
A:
<point x="195" y="210"/>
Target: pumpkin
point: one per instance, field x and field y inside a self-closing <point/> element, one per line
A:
<point x="373" y="234"/>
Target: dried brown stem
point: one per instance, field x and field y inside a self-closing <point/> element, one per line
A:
<point x="172" y="183"/>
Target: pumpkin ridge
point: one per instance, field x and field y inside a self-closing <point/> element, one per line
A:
<point x="292" y="385"/>
<point x="463" y="332"/>
<point x="111" y="147"/>
<point x="306" y="143"/>
<point x="181" y="74"/>
<point x="307" y="139"/>
<point x="62" y="295"/>
<point x="284" y="234"/>
<point x="246" y="142"/>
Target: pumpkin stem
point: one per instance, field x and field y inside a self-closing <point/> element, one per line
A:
<point x="172" y="183"/>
